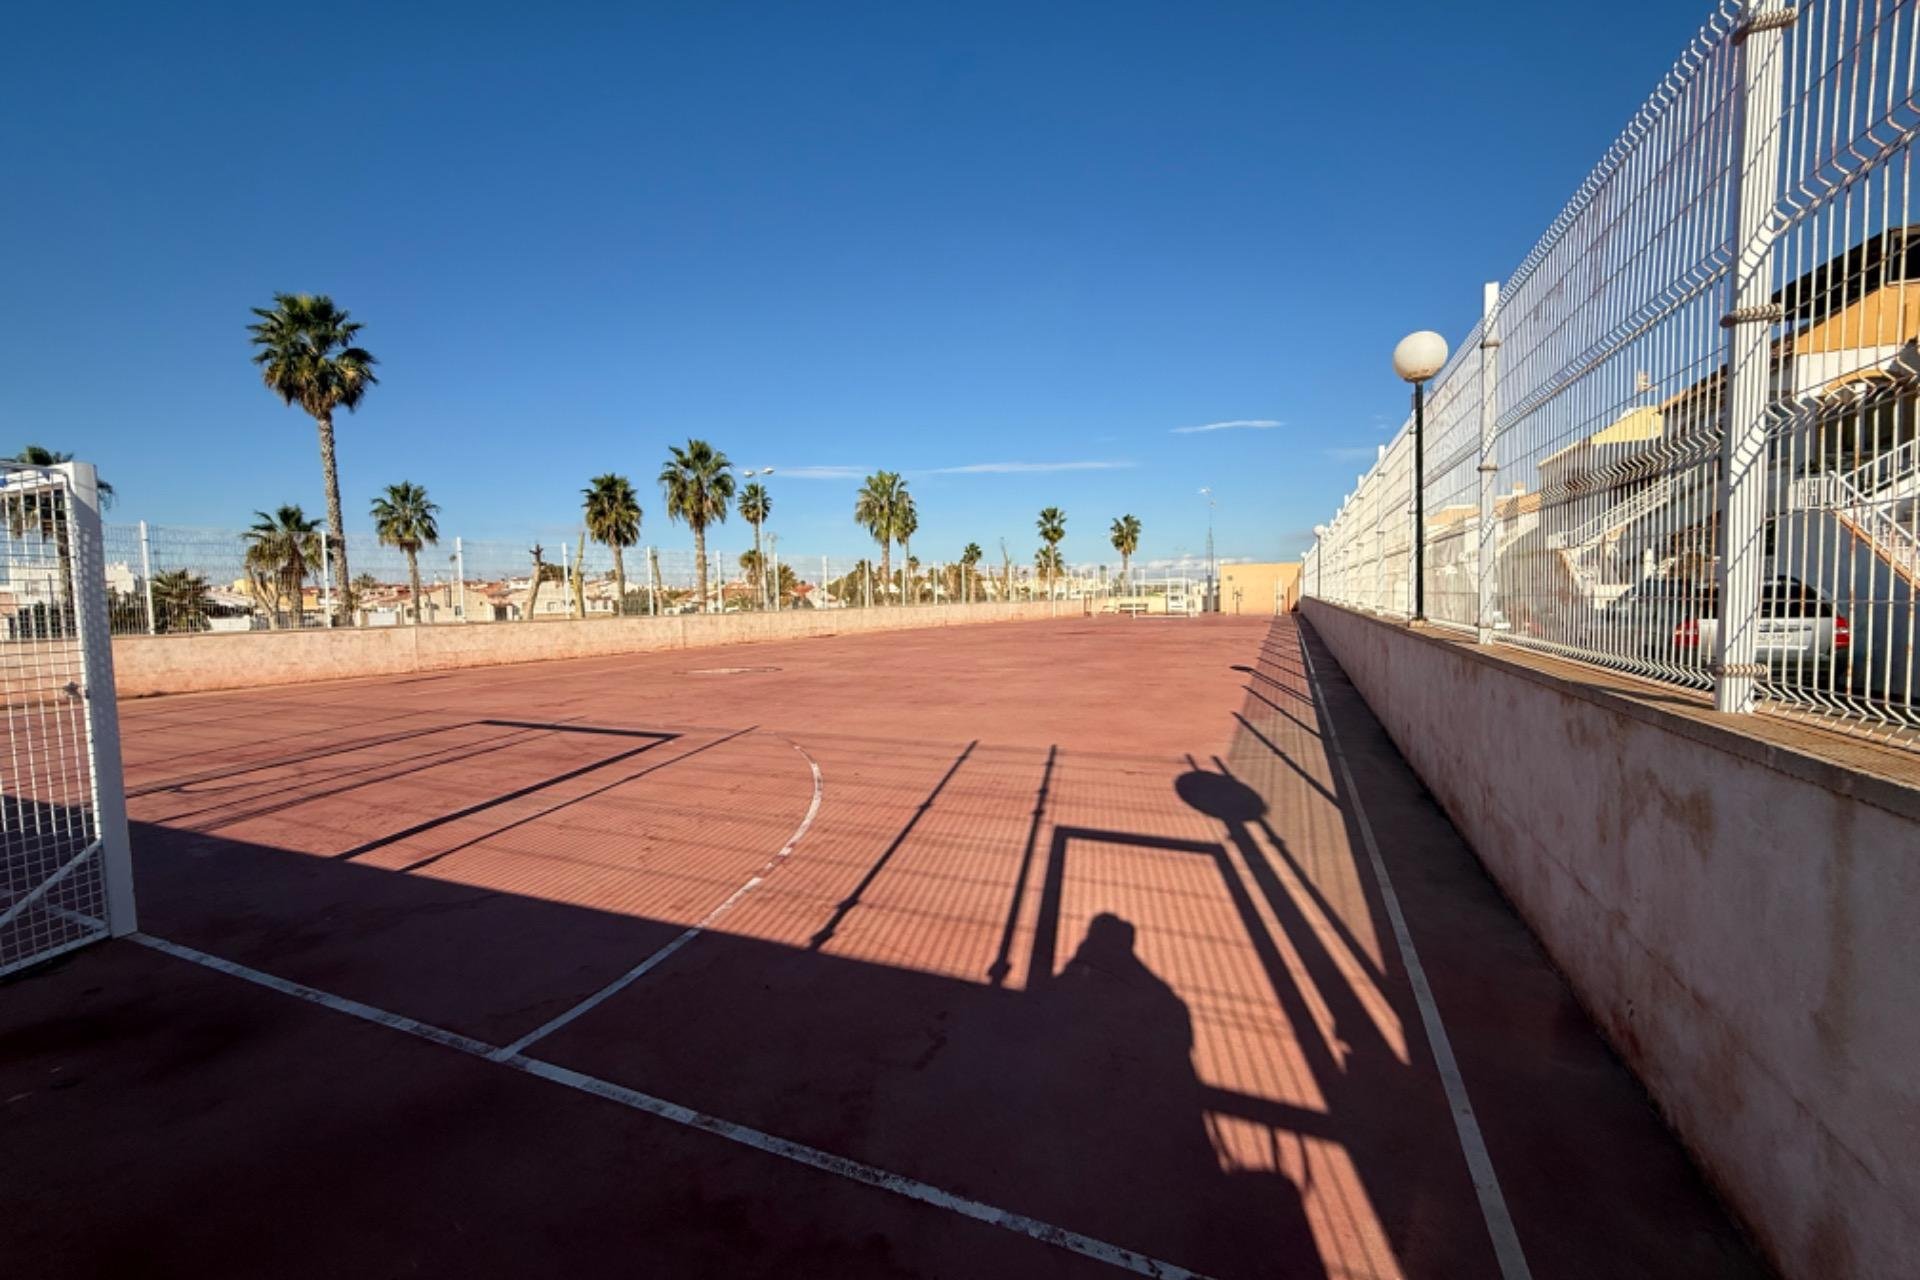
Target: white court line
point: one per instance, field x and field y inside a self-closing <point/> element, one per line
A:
<point x="799" y="1153"/>
<point x="313" y="995"/>
<point x="660" y="957"/>
<point x="1493" y="1205"/>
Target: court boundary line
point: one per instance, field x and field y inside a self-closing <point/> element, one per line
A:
<point x="693" y="931"/>
<point x="687" y="1117"/>
<point x="1486" y="1183"/>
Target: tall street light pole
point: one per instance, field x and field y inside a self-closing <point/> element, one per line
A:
<point x="1211" y="603"/>
<point x="1418" y="357"/>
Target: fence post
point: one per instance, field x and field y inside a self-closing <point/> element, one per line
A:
<point x="146" y="576"/>
<point x="1489" y="382"/>
<point x="1380" y="575"/>
<point x="94" y="628"/>
<point x="460" y="575"/>
<point x="1741" y="514"/>
<point x="326" y="581"/>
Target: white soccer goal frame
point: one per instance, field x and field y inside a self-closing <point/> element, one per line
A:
<point x="75" y="642"/>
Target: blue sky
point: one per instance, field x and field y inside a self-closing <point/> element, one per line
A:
<point x="1020" y="252"/>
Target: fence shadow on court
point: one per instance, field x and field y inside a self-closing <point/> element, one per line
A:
<point x="1067" y="1090"/>
<point x="1075" y="1102"/>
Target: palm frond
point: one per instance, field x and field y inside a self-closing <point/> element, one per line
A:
<point x="404" y="518"/>
<point x="697" y="483"/>
<point x="612" y="510"/>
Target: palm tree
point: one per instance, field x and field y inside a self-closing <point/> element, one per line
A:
<point x="613" y="518"/>
<point x="1047" y="561"/>
<point x="876" y="508"/>
<point x="698" y="482"/>
<point x="405" y="519"/>
<point x="282" y="549"/>
<point x="755" y="507"/>
<point x="307" y="357"/>
<point x="969" y="557"/>
<point x="182" y="599"/>
<point x="906" y="522"/>
<point x="1126" y="540"/>
<point x="1053" y="527"/>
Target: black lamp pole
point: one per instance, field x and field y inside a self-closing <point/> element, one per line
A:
<point x="1419" y="502"/>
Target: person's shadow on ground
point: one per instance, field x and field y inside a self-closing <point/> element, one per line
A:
<point x="1083" y="1108"/>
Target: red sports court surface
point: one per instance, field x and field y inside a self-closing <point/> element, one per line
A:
<point x="1023" y="950"/>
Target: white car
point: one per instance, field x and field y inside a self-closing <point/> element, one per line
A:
<point x="1677" y="622"/>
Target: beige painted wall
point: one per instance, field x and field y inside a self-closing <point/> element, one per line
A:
<point x="1264" y="588"/>
<point x="145" y="665"/>
<point x="1740" y="915"/>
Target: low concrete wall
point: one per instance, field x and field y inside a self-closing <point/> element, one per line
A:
<point x="144" y="665"/>
<point x="1739" y="912"/>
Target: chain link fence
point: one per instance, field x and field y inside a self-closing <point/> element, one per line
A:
<point x="173" y="580"/>
<point x="1682" y="440"/>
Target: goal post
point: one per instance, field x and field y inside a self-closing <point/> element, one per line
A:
<point x="95" y="624"/>
<point x="66" y="875"/>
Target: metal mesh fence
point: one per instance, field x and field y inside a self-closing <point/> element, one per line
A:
<point x="170" y="580"/>
<point x="1691" y="409"/>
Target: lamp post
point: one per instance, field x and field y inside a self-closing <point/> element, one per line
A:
<point x="1418" y="357"/>
<point x="1209" y="603"/>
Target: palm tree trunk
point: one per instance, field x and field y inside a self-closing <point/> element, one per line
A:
<point x="413" y="579"/>
<point x="580" y="579"/>
<point x="759" y="566"/>
<point x="700" y="568"/>
<point x="908" y="587"/>
<point x="335" y="530"/>
<point x="260" y="598"/>
<point x="886" y="562"/>
<point x="619" y="583"/>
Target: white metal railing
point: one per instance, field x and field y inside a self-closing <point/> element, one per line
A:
<point x="1698" y="396"/>
<point x="1888" y="471"/>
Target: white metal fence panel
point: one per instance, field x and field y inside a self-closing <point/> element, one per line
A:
<point x="1683" y="441"/>
<point x="65" y="879"/>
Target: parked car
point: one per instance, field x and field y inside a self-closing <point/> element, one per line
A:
<point x="1677" y="622"/>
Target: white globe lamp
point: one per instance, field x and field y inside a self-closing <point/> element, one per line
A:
<point x="1420" y="355"/>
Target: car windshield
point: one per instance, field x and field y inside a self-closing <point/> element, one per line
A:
<point x="1779" y="598"/>
<point x="1688" y="595"/>
<point x="1792" y="598"/>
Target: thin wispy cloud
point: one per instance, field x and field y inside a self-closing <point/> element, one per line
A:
<point x="825" y="472"/>
<point x="1022" y="468"/>
<point x="1238" y="424"/>
<point x="822" y="473"/>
